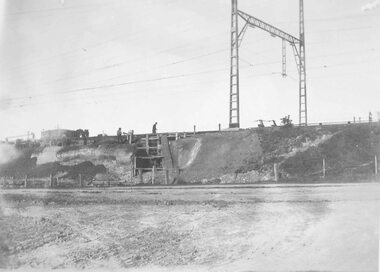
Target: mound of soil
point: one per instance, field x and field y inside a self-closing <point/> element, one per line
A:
<point x="25" y="165"/>
<point x="20" y="166"/>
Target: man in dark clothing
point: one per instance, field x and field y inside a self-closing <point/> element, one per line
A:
<point x="119" y="135"/>
<point x="154" y="129"/>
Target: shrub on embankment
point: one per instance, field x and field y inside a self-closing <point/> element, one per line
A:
<point x="349" y="151"/>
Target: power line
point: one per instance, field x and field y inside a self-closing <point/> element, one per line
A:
<point x="192" y="74"/>
<point x="139" y="32"/>
<point x="120" y="84"/>
<point x="183" y="75"/>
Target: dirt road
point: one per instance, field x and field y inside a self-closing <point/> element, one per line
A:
<point x="250" y="228"/>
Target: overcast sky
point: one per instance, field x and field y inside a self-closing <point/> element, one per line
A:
<point x="104" y="64"/>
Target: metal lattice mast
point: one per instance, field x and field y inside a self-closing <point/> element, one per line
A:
<point x="297" y="44"/>
<point x="283" y="58"/>
<point x="302" y="71"/>
<point x="234" y="73"/>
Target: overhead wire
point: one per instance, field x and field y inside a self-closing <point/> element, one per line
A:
<point x="162" y="78"/>
<point x="199" y="73"/>
<point x="116" y="65"/>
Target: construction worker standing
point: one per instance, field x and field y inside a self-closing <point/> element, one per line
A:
<point x="119" y="135"/>
<point x="154" y="128"/>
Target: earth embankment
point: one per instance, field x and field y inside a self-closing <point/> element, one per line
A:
<point x="246" y="156"/>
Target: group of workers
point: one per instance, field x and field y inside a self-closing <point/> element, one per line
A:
<point x="119" y="133"/>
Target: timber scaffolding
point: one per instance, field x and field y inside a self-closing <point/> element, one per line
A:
<point x="153" y="155"/>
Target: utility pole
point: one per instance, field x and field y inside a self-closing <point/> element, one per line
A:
<point x="302" y="71"/>
<point x="234" y="73"/>
<point x="298" y="46"/>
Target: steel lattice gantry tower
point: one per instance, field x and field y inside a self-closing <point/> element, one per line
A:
<point x="298" y="46"/>
<point x="234" y="75"/>
<point x="302" y="71"/>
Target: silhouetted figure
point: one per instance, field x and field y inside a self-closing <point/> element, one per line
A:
<point x="119" y="135"/>
<point x="154" y="128"/>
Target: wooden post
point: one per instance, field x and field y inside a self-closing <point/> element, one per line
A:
<point x="26" y="181"/>
<point x="184" y="135"/>
<point x="194" y="129"/>
<point x="132" y="175"/>
<point x="275" y="170"/>
<point x="220" y="127"/>
<point x="166" y="176"/>
<point x="80" y="180"/>
<point x="376" y="168"/>
<point x="176" y="136"/>
<point x="147" y="144"/>
<point x="323" y="167"/>
<point x="153" y="173"/>
<point x="51" y="181"/>
<point x="140" y="175"/>
<point x="131" y="137"/>
<point x="133" y="166"/>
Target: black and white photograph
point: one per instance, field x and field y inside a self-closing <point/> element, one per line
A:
<point x="190" y="135"/>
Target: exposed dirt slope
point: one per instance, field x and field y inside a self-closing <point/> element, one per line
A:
<point x="105" y="161"/>
<point x="227" y="157"/>
<point x="249" y="156"/>
<point x="213" y="155"/>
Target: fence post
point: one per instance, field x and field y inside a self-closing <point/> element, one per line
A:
<point x="131" y="137"/>
<point x="194" y="129"/>
<point x="134" y="166"/>
<point x="323" y="168"/>
<point x="176" y="136"/>
<point x="153" y="173"/>
<point x="166" y="176"/>
<point x="275" y="170"/>
<point x="132" y="175"/>
<point x="26" y="181"/>
<point x="80" y="180"/>
<point x="220" y="127"/>
<point x="376" y="168"/>
<point x="140" y="175"/>
<point x="51" y="180"/>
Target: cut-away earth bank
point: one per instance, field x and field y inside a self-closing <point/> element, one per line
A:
<point x="245" y="156"/>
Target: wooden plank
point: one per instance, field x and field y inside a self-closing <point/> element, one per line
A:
<point x="168" y="160"/>
<point x="153" y="174"/>
<point x="150" y="169"/>
<point x="150" y="158"/>
<point x="140" y="175"/>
